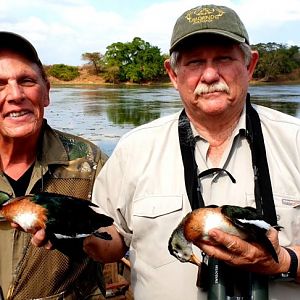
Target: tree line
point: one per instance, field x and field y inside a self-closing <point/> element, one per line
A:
<point x="139" y="62"/>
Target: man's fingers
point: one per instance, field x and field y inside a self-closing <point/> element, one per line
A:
<point x="39" y="239"/>
<point x="231" y="246"/>
<point x="16" y="226"/>
<point x="272" y="233"/>
<point x="228" y="241"/>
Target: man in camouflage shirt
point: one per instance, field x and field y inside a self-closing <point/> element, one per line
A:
<point x="34" y="157"/>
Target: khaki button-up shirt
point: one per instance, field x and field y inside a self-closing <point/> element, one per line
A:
<point x="142" y="187"/>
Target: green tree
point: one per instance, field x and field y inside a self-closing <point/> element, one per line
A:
<point x="95" y="59"/>
<point x="112" y="74"/>
<point x="275" y="59"/>
<point x="137" y="61"/>
<point x="63" y="72"/>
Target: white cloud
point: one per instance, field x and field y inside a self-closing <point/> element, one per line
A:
<point x="269" y="13"/>
<point x="62" y="30"/>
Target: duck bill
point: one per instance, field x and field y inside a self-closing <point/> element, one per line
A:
<point x="195" y="260"/>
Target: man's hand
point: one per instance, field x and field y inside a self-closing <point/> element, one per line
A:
<point x="251" y="256"/>
<point x="39" y="239"/>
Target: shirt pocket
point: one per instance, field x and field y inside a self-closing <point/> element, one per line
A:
<point x="154" y="219"/>
<point x="288" y="217"/>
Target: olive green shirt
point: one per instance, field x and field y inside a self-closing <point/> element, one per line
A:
<point x="68" y="165"/>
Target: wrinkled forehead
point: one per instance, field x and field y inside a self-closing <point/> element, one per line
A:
<point x="15" y="52"/>
<point x="22" y="58"/>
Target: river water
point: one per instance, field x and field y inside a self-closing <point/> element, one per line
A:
<point x="103" y="114"/>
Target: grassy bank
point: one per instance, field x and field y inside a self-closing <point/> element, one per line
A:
<point x="88" y="79"/>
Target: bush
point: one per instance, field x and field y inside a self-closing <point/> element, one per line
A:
<point x="63" y="72"/>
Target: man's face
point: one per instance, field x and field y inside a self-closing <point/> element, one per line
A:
<point x="212" y="79"/>
<point x="23" y="96"/>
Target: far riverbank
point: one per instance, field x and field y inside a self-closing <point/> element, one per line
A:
<point x="88" y="79"/>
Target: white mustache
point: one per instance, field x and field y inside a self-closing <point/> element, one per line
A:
<point x="203" y="88"/>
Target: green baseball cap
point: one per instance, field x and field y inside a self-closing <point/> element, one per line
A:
<point x="209" y="19"/>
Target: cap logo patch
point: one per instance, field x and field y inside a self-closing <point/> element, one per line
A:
<point x="204" y="14"/>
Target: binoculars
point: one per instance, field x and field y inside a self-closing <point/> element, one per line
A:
<point x="225" y="282"/>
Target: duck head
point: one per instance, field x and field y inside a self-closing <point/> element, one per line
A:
<point x="181" y="248"/>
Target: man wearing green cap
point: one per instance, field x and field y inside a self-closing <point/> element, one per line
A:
<point x="160" y="171"/>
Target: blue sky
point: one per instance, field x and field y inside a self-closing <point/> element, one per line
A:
<point x="61" y="30"/>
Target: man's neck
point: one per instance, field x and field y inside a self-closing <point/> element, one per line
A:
<point x="217" y="131"/>
<point x="16" y="156"/>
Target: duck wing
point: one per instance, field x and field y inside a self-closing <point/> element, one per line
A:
<point x="252" y="224"/>
<point x="71" y="216"/>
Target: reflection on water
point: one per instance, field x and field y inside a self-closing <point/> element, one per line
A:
<point x="104" y="114"/>
<point x="285" y="98"/>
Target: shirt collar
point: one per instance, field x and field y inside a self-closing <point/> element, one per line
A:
<point x="52" y="149"/>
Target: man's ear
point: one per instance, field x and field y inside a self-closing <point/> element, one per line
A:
<point x="253" y="63"/>
<point x="47" y="98"/>
<point x="172" y="74"/>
